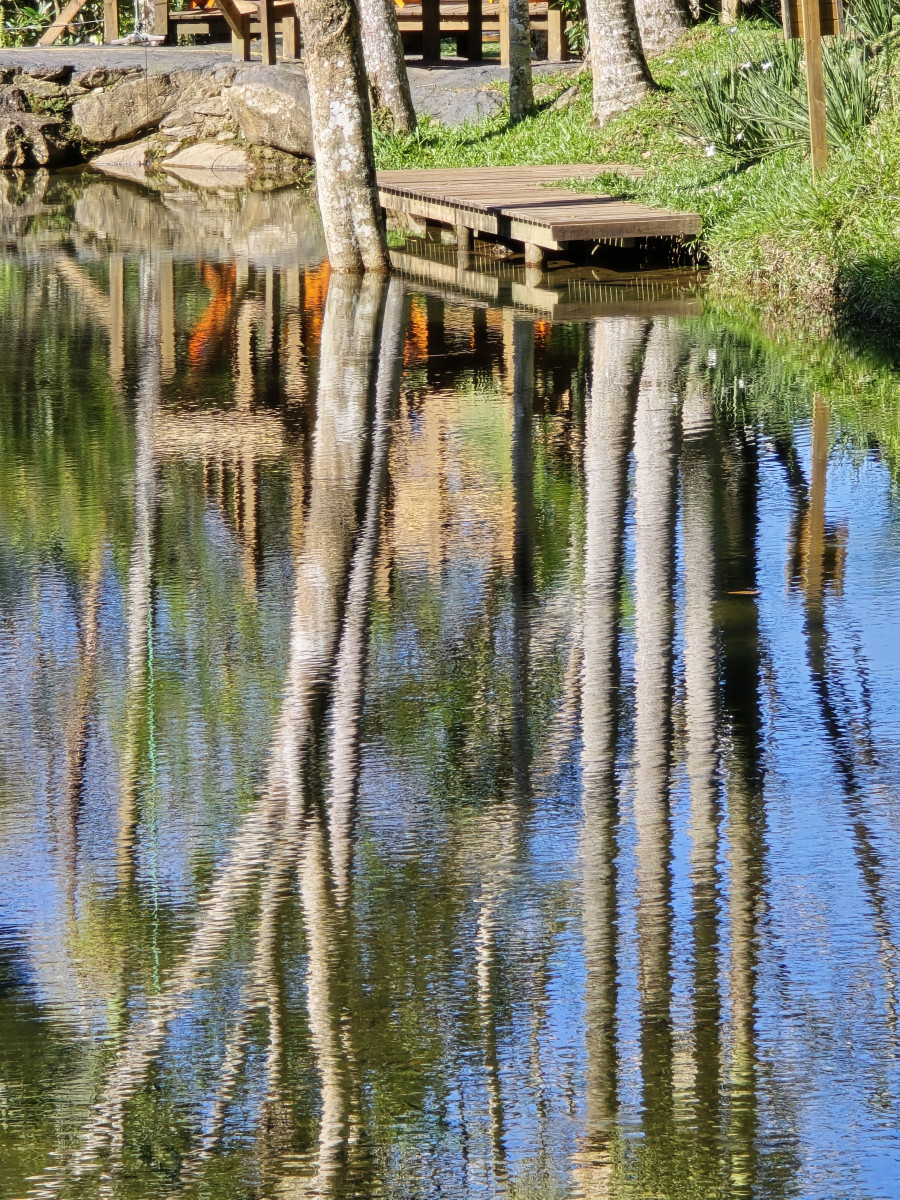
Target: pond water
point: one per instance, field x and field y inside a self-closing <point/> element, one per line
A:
<point x="449" y="731"/>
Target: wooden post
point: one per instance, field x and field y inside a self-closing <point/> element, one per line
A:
<point x="815" y="85"/>
<point x="557" y="42"/>
<point x="110" y="20"/>
<point x="504" y="33"/>
<point x="816" y="17"/>
<point x="166" y="316"/>
<point x="161" y="17"/>
<point x="267" y="31"/>
<point x="431" y="30"/>
<point x="290" y="42"/>
<point x="475" y="45"/>
<point x="116" y="319"/>
<point x="54" y="31"/>
<point x="240" y="30"/>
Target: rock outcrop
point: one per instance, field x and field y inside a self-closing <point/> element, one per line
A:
<point x="271" y="107"/>
<point x="28" y="139"/>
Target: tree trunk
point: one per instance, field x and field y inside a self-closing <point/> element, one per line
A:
<point x="342" y="136"/>
<point x="521" y="96"/>
<point x="620" y="73"/>
<point x="661" y="22"/>
<point x="609" y="415"/>
<point x="385" y="63"/>
<point x="731" y="11"/>
<point x="654" y="531"/>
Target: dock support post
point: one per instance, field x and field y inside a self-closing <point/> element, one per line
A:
<point x="463" y="238"/>
<point x="534" y="255"/>
<point x="431" y="30"/>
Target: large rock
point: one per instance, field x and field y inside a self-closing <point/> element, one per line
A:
<point x="139" y="103"/>
<point x="211" y="157"/>
<point x="453" y="106"/>
<point x="271" y="106"/>
<point x="120" y="113"/>
<point x="27" y="139"/>
<point x="126" y="162"/>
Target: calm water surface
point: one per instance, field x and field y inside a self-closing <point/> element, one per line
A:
<point x="449" y="745"/>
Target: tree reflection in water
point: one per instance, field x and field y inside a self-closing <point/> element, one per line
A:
<point x="405" y="754"/>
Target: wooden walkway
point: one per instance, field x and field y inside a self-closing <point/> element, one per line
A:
<point x="515" y="204"/>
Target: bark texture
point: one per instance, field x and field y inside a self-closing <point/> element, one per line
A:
<point x="620" y="73"/>
<point x="521" y="94"/>
<point x="342" y="136"/>
<point x="661" y="22"/>
<point x="385" y="63"/>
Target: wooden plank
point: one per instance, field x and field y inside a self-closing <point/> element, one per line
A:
<point x="55" y="31"/>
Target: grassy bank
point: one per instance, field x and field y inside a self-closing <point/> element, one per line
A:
<point x="829" y="248"/>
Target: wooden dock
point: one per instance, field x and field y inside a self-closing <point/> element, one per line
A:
<point x="515" y="204"/>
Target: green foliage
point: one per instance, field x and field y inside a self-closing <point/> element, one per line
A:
<point x="758" y="107"/>
<point x="23" y="24"/>
<point x="874" y="20"/>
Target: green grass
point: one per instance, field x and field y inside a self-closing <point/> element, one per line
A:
<point x="770" y="232"/>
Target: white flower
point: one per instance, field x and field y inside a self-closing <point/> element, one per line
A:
<point x="767" y="66"/>
<point x="710" y="151"/>
<point x="740" y="383"/>
<point x="746" y="66"/>
<point x="670" y="60"/>
<point x="732" y="29"/>
<point x="739" y="136"/>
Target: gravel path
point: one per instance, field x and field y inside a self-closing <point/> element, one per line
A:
<point x="453" y="75"/>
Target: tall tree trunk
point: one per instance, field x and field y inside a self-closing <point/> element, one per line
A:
<point x="521" y="95"/>
<point x="701" y="713"/>
<point x="661" y="22"/>
<point x="385" y="62"/>
<point x="620" y="73"/>
<point x="342" y="136"/>
<point x="346" y="710"/>
<point x="607" y="440"/>
<point x="654" y="529"/>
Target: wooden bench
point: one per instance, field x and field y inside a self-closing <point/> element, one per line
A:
<point x="424" y="24"/>
<point x="244" y="18"/>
